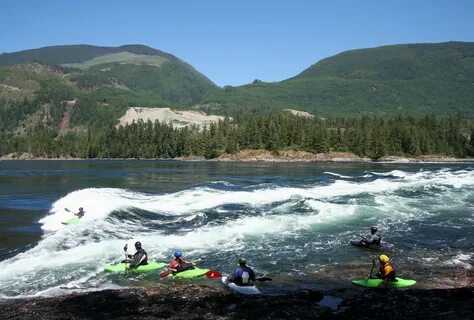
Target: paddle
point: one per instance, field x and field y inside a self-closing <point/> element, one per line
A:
<point x="164" y="274"/>
<point x="262" y="279"/>
<point x="67" y="210"/>
<point x="125" y="248"/>
<point x="369" y="276"/>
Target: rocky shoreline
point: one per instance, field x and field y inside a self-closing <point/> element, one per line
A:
<point x="189" y="301"/>
<point x="277" y="157"/>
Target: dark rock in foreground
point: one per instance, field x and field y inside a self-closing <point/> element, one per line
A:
<point x="204" y="302"/>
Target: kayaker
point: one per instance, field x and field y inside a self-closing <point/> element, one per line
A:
<point x="80" y="213"/>
<point x="372" y="239"/>
<point x="243" y="275"/>
<point x="386" y="270"/>
<point x="139" y="258"/>
<point x="178" y="264"/>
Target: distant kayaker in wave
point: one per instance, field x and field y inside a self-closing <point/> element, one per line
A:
<point x="243" y="275"/>
<point x="139" y="258"/>
<point x="373" y="239"/>
<point x="80" y="213"/>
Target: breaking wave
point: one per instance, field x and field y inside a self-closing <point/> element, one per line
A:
<point x="222" y="218"/>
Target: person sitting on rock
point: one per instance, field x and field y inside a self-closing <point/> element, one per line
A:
<point x="373" y="238"/>
<point x="243" y="275"/>
<point x="80" y="213"/>
<point x="178" y="264"/>
<point x="386" y="270"/>
<point x="139" y="258"/>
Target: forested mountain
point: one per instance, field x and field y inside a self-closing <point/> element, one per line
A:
<point x="66" y="100"/>
<point x="414" y="79"/>
<point x="399" y="79"/>
<point x="35" y="85"/>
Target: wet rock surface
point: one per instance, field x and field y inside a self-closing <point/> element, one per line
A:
<point x="210" y="302"/>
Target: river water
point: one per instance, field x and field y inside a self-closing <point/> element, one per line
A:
<point x="292" y="221"/>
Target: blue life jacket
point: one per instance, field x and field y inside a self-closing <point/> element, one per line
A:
<point x="243" y="275"/>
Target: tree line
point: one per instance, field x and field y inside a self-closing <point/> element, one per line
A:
<point x="372" y="137"/>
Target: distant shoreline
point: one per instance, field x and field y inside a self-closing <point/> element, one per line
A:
<point x="255" y="156"/>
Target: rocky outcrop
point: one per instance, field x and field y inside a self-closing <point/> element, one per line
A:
<point x="178" y="118"/>
<point x="299" y="113"/>
<point x="290" y="156"/>
<point x="214" y="302"/>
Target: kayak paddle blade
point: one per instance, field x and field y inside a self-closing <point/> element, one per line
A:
<point x="264" y="279"/>
<point x="211" y="274"/>
<point x="165" y="273"/>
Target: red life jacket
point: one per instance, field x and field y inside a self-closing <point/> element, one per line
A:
<point x="175" y="263"/>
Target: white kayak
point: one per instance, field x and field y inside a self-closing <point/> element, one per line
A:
<point x="247" y="290"/>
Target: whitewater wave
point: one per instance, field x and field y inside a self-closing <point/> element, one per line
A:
<point x="77" y="253"/>
<point x="101" y="202"/>
<point x="462" y="260"/>
<point x="338" y="175"/>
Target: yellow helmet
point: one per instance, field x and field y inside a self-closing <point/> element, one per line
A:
<point x="383" y="258"/>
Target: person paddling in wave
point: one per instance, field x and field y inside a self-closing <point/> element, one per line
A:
<point x="373" y="239"/>
<point x="139" y="258"/>
<point x="80" y="213"/>
<point x="243" y="275"/>
<point x="178" y="264"/>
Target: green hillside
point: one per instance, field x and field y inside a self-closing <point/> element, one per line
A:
<point x="135" y="72"/>
<point x="104" y="81"/>
<point x="415" y="79"/>
<point x="57" y="55"/>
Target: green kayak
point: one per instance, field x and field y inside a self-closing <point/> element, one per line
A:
<point x="191" y="274"/>
<point x="375" y="283"/>
<point x="122" y="267"/>
<point x="74" y="220"/>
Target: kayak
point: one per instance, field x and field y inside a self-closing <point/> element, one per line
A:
<point x="122" y="267"/>
<point x="375" y="283"/>
<point x="246" y="290"/>
<point x="383" y="245"/>
<point x="191" y="273"/>
<point x="74" y="220"/>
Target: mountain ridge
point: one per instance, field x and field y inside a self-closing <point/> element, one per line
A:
<point x="414" y="79"/>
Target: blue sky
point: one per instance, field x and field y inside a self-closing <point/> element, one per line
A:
<point x="234" y="42"/>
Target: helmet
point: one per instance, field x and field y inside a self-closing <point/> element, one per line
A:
<point x="242" y="261"/>
<point x="178" y="253"/>
<point x="81" y="209"/>
<point x="383" y="258"/>
<point x="373" y="229"/>
<point x="138" y="245"/>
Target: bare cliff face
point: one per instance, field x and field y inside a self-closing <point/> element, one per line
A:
<point x="178" y="118"/>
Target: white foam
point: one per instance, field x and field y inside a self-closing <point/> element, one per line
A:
<point x="100" y="202"/>
<point x="462" y="260"/>
<point x="80" y="251"/>
<point x="393" y="173"/>
<point x="337" y="175"/>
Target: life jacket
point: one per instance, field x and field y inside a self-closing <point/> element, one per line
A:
<point x="175" y="263"/>
<point x="387" y="270"/>
<point x="243" y="276"/>
<point x="141" y="257"/>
